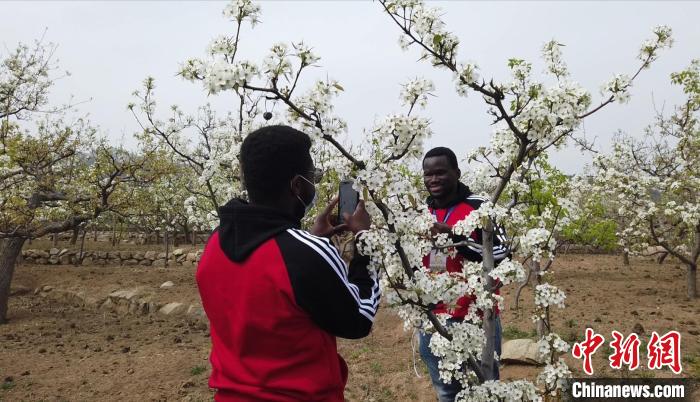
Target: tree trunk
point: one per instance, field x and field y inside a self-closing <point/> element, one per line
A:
<point x="541" y="324"/>
<point x="165" y="237"/>
<point x="625" y="258"/>
<point x="522" y="286"/>
<point x="186" y="233"/>
<point x="114" y="234"/>
<point x="74" y="237"/>
<point x="13" y="248"/>
<point x="95" y="234"/>
<point x="488" y="363"/>
<point x="661" y="258"/>
<point x="541" y="328"/>
<point x="692" y="281"/>
<point x="121" y="233"/>
<point x="79" y="256"/>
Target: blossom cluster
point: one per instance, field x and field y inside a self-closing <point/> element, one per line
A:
<point x="547" y="295"/>
<point x="536" y="241"/>
<point x="239" y="10"/>
<point x="551" y="343"/>
<point x="618" y="87"/>
<point x="416" y="91"/>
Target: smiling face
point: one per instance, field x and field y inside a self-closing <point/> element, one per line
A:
<point x="440" y="178"/>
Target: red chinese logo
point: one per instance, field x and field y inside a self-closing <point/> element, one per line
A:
<point x="665" y="351"/>
<point x="587" y="348"/>
<point x="625" y="352"/>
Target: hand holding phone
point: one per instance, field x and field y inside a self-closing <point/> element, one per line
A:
<point x="323" y="224"/>
<point x="351" y="211"/>
<point x="348" y="199"/>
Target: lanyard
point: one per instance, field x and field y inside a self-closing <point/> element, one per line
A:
<point x="447" y="215"/>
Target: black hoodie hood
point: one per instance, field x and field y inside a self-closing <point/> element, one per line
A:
<point x="243" y="227"/>
<point x="462" y="193"/>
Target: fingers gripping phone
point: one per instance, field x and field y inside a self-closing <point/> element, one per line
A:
<point x="348" y="199"/>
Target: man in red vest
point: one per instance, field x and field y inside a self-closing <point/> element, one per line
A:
<point x="277" y="296"/>
<point x="451" y="201"/>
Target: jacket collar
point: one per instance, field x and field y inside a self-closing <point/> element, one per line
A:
<point x="244" y="227"/>
<point x="462" y="193"/>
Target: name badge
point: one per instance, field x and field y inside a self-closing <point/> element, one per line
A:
<point x="438" y="261"/>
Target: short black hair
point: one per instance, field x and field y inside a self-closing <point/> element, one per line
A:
<point x="270" y="157"/>
<point x="443" y="151"/>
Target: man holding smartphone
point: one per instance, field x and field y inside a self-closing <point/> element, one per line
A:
<point x="451" y="201"/>
<point x="277" y="296"/>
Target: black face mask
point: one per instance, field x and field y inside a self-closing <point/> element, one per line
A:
<point x="307" y="205"/>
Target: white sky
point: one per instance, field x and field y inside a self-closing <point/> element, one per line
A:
<point x="110" y="47"/>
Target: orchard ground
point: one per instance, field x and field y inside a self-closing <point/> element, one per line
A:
<point x="60" y="351"/>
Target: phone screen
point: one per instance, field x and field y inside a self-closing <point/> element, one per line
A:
<point x="348" y="199"/>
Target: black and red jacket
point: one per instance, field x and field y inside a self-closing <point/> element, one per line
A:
<point x="456" y="210"/>
<point x="276" y="298"/>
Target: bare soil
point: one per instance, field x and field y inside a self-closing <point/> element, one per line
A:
<point x="55" y="352"/>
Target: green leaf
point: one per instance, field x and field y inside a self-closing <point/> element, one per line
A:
<point x="515" y="62"/>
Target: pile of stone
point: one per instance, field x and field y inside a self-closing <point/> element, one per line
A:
<point x="54" y="256"/>
<point x="137" y="301"/>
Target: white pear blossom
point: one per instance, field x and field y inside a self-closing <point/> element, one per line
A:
<point x="618" y="87"/>
<point x="239" y="10"/>
<point x="416" y="91"/>
<point x="547" y="295"/>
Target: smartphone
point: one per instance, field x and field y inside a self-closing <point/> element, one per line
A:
<point x="348" y="199"/>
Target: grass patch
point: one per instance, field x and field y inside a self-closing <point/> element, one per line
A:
<point x="197" y="370"/>
<point x="356" y="353"/>
<point x="511" y="332"/>
<point x="385" y="394"/>
<point x="376" y="367"/>
<point x="572" y="336"/>
<point x="691" y="365"/>
<point x="645" y="374"/>
<point x="7" y="385"/>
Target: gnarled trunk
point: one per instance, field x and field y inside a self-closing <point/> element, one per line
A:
<point x="8" y="258"/>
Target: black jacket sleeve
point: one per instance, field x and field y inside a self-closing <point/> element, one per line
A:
<point x="341" y="299"/>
